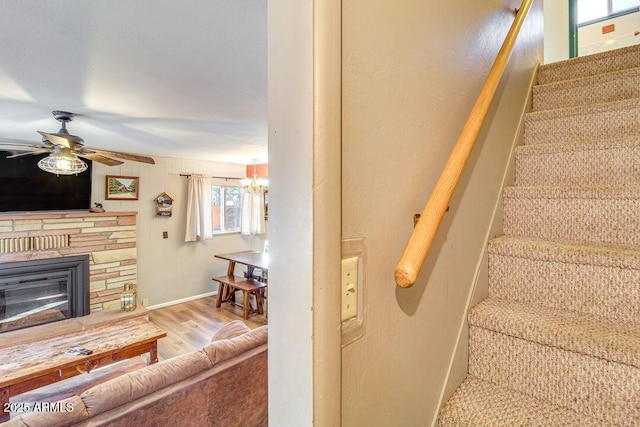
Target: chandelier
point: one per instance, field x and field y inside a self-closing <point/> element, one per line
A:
<point x="254" y="182"/>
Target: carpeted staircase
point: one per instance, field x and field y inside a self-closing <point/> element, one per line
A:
<point x="557" y="341"/>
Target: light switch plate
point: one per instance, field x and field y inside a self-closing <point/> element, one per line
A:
<point x="353" y="304"/>
<point x="349" y="287"/>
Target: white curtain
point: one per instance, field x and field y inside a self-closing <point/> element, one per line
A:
<point x="199" y="225"/>
<point x="253" y="210"/>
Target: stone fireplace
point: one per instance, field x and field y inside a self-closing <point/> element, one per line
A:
<point x="108" y="239"/>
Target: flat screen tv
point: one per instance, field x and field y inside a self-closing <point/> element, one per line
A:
<point x="25" y="187"/>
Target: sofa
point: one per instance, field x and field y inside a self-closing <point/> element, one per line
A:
<point x="223" y="384"/>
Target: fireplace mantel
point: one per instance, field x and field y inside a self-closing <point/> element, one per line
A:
<point x="56" y="215"/>
<point x="109" y="238"/>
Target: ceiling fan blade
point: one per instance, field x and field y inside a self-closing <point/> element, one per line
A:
<point x="100" y="159"/>
<point x="56" y="140"/>
<point x="30" y="153"/>
<point x="126" y="156"/>
<point x="18" y="146"/>
<point x="10" y="141"/>
<point x="63" y="140"/>
<point x="21" y="146"/>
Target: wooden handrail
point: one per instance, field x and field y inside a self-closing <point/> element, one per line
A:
<point x="415" y="252"/>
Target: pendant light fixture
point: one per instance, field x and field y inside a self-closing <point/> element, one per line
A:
<point x="62" y="162"/>
<point x="254" y="182"/>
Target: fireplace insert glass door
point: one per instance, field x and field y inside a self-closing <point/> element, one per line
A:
<point x="42" y="291"/>
<point x="35" y="299"/>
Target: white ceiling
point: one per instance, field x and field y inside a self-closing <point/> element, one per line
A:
<point x="160" y="77"/>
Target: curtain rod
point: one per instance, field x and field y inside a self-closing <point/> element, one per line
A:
<point x="226" y="178"/>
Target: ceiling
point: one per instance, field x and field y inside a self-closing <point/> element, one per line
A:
<point x="159" y="77"/>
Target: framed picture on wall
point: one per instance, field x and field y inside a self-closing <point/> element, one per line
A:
<point x="122" y="187"/>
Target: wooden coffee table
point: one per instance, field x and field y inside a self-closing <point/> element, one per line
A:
<point x="28" y="366"/>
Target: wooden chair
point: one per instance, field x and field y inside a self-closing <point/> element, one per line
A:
<point x="228" y="285"/>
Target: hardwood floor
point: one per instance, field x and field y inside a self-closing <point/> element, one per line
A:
<point x="191" y="325"/>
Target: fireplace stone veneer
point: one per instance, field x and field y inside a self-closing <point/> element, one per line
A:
<point x="108" y="238"/>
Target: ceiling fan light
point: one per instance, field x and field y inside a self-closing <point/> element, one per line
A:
<point x="62" y="162"/>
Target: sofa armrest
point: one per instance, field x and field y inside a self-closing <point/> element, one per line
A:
<point x="219" y="351"/>
<point x="230" y="330"/>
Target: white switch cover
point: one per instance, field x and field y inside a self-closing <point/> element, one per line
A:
<point x="349" y="288"/>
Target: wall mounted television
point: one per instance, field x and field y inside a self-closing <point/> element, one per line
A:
<point x="25" y="187"/>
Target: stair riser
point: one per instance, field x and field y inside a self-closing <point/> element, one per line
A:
<point x="586" y="166"/>
<point x="582" y="127"/>
<point x="579" y="220"/>
<point x="581" y="94"/>
<point x="606" y="291"/>
<point x="584" y="67"/>
<point x="582" y="383"/>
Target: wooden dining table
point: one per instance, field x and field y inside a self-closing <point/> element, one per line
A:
<point x="250" y="281"/>
<point x="252" y="260"/>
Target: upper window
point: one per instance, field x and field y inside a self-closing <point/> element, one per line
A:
<point x="590" y="11"/>
<point x="226" y="208"/>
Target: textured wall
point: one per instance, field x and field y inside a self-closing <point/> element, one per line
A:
<point x="411" y="73"/>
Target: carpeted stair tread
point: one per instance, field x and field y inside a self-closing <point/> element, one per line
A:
<point x="590" y="385"/>
<point x="479" y="403"/>
<point x="602" y="88"/>
<point x="582" y="123"/>
<point x="597" y="279"/>
<point x="590" y="335"/>
<point x="589" y="65"/>
<point x="567" y="252"/>
<point x="583" y="110"/>
<point x="630" y="192"/>
<point x="606" y="162"/>
<point x="578" y="214"/>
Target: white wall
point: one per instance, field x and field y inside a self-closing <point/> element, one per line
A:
<point x="412" y="71"/>
<point x="172" y="269"/>
<point x="291" y="221"/>
<point x="556" y="30"/>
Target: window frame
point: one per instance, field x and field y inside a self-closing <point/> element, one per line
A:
<point x="222" y="231"/>
<point x="610" y="14"/>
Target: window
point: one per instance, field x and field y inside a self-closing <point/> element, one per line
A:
<point x="590" y="11"/>
<point x="226" y="208"/>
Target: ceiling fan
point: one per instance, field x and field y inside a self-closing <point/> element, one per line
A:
<point x="65" y="150"/>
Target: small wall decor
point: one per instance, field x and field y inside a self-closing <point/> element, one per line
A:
<point x="163" y="205"/>
<point x="98" y="208"/>
<point x="122" y="187"/>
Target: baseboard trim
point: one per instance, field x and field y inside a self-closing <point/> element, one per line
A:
<point x="179" y="301"/>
